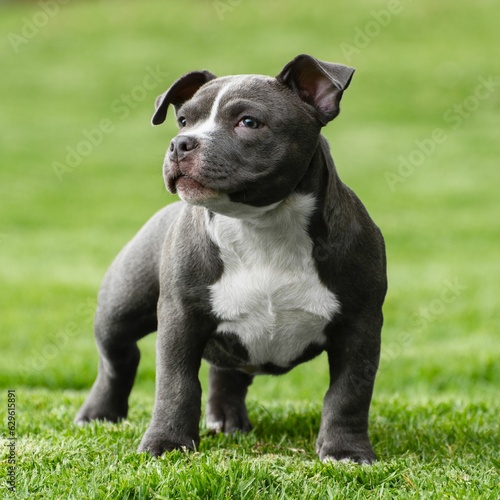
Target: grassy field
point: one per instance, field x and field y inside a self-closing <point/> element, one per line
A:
<point x="80" y="171"/>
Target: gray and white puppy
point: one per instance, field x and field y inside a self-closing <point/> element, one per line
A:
<point x="268" y="260"/>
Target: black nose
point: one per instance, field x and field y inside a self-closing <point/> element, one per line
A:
<point x="181" y="146"/>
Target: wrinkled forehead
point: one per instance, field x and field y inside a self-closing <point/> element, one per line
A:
<point x="224" y="89"/>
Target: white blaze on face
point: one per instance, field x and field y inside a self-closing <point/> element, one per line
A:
<point x="204" y="128"/>
<point x="207" y="126"/>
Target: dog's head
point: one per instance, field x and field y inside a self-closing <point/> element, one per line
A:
<point x="245" y="142"/>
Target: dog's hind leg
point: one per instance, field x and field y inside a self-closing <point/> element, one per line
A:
<point x="226" y="409"/>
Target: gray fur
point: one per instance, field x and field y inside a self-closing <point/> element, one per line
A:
<point x="248" y="146"/>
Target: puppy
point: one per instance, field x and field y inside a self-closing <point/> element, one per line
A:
<point x="268" y="260"/>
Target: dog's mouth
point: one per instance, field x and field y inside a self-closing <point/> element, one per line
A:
<point x="190" y="189"/>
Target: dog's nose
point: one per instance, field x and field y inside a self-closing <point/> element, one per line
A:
<point x="181" y="146"/>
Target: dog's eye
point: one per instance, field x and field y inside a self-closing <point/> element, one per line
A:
<point x="249" y="122"/>
<point x="182" y="121"/>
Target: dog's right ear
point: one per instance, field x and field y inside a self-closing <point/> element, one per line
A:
<point x="180" y="92"/>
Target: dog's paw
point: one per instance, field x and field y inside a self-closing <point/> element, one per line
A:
<point x="227" y="418"/>
<point x="346" y="448"/>
<point x="157" y="444"/>
<point x="100" y="410"/>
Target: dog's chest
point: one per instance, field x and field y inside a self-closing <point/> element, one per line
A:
<point x="269" y="294"/>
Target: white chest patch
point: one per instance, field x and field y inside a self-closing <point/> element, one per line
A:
<point x="269" y="294"/>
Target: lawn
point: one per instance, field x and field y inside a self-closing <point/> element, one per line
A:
<point x="80" y="172"/>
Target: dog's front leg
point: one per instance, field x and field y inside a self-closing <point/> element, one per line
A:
<point x="353" y="355"/>
<point x="176" y="414"/>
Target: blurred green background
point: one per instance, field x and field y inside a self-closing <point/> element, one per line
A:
<point x="417" y="139"/>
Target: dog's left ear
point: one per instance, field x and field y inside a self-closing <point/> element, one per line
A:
<point x="180" y="92"/>
<point x="318" y="83"/>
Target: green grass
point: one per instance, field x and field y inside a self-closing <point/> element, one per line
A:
<point x="434" y="418"/>
<point x="276" y="460"/>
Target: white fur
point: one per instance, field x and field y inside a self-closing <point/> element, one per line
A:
<point x="222" y="204"/>
<point x="204" y="128"/>
<point x="270" y="294"/>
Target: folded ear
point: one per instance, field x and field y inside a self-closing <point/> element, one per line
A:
<point x="318" y="83"/>
<point x="180" y="92"/>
